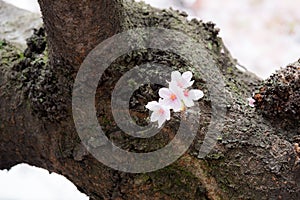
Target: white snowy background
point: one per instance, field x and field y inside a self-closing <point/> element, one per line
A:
<point x="263" y="35"/>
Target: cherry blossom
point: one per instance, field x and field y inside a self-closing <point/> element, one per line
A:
<point x="251" y="102"/>
<point x="189" y="96"/>
<point x="182" y="81"/>
<point x="171" y="98"/>
<point x="176" y="97"/>
<point x="160" y="113"/>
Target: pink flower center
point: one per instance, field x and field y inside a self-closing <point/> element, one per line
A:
<point x="180" y="84"/>
<point x="161" y="111"/>
<point x="173" y="97"/>
<point x="186" y="93"/>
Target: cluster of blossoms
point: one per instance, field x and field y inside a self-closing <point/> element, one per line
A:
<point x="177" y="97"/>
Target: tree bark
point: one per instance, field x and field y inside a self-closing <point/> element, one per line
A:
<point x="75" y="28"/>
<point x="253" y="159"/>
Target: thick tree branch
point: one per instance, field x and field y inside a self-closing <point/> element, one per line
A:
<point x="252" y="159"/>
<point x="75" y="28"/>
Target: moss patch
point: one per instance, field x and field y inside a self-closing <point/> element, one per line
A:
<point x="34" y="79"/>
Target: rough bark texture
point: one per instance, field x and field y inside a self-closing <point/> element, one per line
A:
<point x="253" y="159"/>
<point x="74" y="28"/>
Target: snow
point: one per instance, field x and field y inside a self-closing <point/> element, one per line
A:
<point x="24" y="182"/>
<point x="263" y="35"/>
<point x="31" y="5"/>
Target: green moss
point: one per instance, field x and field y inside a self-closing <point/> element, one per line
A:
<point x="32" y="78"/>
<point x="105" y="121"/>
<point x="232" y="86"/>
<point x="8" y="55"/>
<point x="2" y="43"/>
<point x="177" y="183"/>
<point x="209" y="46"/>
<point x="141" y="179"/>
<point x="215" y="156"/>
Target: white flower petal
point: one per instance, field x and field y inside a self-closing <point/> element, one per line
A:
<point x="168" y="115"/>
<point x="152" y="105"/>
<point x="176" y="105"/>
<point x="189" y="84"/>
<point x="188" y="102"/>
<point x="165" y="103"/>
<point x="174" y="87"/>
<point x="169" y="103"/>
<point x="187" y="76"/>
<point x="154" y="116"/>
<point x="161" y="120"/>
<point x="164" y="92"/>
<point x="196" y="94"/>
<point x="175" y="75"/>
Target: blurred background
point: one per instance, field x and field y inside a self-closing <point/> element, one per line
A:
<point x="263" y="35"/>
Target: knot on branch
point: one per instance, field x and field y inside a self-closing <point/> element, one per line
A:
<point x="38" y="81"/>
<point x="279" y="95"/>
